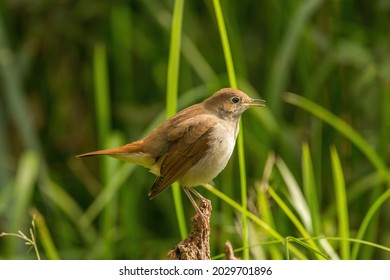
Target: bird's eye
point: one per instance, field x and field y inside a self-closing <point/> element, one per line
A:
<point x="235" y="99"/>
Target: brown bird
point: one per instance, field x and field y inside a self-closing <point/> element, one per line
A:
<point x="193" y="146"/>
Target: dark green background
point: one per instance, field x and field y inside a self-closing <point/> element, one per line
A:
<point x="339" y="59"/>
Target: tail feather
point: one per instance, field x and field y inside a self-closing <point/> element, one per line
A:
<point x="134" y="147"/>
<point x="131" y="152"/>
<point x="106" y="152"/>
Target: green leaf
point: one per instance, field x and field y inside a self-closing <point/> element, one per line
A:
<point x="342" y="204"/>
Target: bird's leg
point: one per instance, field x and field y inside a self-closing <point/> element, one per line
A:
<point x="198" y="195"/>
<point x="200" y="213"/>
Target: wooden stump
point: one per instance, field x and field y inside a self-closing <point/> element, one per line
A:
<point x="197" y="245"/>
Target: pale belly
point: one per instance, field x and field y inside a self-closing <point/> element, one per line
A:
<point x="215" y="160"/>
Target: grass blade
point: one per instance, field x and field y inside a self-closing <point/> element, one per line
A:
<point x="57" y="195"/>
<point x="310" y="190"/>
<point x="243" y="188"/>
<point x="359" y="241"/>
<point x="240" y="140"/>
<point x="266" y="215"/>
<point x="303" y="244"/>
<point x="263" y="203"/>
<point x="225" y="44"/>
<point x="102" y="100"/>
<point x="366" y="221"/>
<point x="106" y="195"/>
<point x="23" y="188"/>
<point x="5" y="174"/>
<point x="259" y="222"/>
<point x="292" y="218"/>
<point x="103" y="124"/>
<point x="296" y="197"/>
<point x="110" y="213"/>
<point x="44" y="236"/>
<point x="342" y="204"/>
<point x="172" y="89"/>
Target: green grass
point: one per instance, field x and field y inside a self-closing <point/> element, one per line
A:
<point x="23" y="189"/>
<point x="343" y="128"/>
<point x="310" y="179"/>
<point x="341" y="204"/>
<point x="240" y="138"/>
<point x="172" y="93"/>
<point x="310" y="190"/>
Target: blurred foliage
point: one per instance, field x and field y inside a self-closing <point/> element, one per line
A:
<point x="334" y="53"/>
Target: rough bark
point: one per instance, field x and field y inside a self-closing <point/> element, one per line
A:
<point x="197" y="245"/>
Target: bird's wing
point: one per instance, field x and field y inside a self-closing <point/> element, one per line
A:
<point x="190" y="141"/>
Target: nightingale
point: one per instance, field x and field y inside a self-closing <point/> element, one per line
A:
<point x="191" y="147"/>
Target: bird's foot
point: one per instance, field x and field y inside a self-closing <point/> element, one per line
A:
<point x="205" y="204"/>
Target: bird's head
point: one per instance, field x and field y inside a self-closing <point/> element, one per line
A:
<point x="229" y="103"/>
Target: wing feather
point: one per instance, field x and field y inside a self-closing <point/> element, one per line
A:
<point x="190" y="143"/>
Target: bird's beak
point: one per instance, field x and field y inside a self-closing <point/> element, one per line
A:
<point x="255" y="103"/>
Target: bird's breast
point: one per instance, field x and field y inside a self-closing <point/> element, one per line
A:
<point x="222" y="140"/>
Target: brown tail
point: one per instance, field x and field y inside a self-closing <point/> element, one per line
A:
<point x="125" y="149"/>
